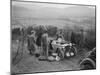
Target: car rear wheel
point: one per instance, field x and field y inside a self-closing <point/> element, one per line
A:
<point x="70" y="51"/>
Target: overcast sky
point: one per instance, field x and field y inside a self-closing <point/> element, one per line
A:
<point x="45" y="10"/>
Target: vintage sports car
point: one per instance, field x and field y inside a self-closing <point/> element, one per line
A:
<point x="63" y="49"/>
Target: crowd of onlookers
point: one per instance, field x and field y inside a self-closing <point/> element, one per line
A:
<point x="39" y="38"/>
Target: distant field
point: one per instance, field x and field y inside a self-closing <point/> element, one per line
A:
<point x="86" y="23"/>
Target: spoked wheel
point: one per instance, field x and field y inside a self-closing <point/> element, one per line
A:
<point x="70" y="51"/>
<point x="60" y="53"/>
<point x="74" y="51"/>
<point x="87" y="64"/>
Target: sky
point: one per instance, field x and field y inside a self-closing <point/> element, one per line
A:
<point x="30" y="4"/>
<point x="45" y="10"/>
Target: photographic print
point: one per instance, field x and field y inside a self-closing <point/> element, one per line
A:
<point x="52" y="37"/>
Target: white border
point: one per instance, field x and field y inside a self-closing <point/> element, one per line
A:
<point x="5" y="36"/>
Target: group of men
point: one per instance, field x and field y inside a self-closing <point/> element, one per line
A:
<point x="42" y="42"/>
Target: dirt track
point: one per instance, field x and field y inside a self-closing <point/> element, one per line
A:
<point x="31" y="64"/>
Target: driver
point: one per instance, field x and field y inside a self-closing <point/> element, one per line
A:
<point x="58" y="41"/>
<point x="60" y="37"/>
